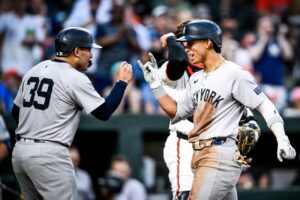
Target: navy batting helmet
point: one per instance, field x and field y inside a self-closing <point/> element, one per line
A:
<point x="202" y="29"/>
<point x="70" y="38"/>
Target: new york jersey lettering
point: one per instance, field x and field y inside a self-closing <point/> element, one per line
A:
<point x="208" y="96"/>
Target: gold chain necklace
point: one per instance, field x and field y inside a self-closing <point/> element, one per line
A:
<point x="216" y="67"/>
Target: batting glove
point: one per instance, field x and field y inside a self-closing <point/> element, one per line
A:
<point x="285" y="149"/>
<point x="150" y="71"/>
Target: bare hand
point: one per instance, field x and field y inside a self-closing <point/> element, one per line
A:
<point x="124" y="72"/>
<point x="283" y="29"/>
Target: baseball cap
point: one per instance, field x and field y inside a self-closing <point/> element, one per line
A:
<point x="160" y="10"/>
<point x="11" y="73"/>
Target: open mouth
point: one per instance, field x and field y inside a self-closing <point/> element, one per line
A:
<point x="90" y="63"/>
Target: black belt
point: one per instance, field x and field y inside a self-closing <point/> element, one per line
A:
<point x="181" y="135"/>
<point x="18" y="138"/>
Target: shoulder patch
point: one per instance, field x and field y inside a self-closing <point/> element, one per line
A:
<point x="258" y="90"/>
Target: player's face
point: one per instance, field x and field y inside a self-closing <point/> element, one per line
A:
<point x="84" y="61"/>
<point x="196" y="50"/>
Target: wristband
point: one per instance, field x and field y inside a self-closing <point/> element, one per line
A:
<point x="159" y="92"/>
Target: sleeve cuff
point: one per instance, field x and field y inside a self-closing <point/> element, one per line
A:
<point x="121" y="83"/>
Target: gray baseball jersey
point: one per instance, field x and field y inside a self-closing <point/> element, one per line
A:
<point x="51" y="98"/>
<point x="218" y="99"/>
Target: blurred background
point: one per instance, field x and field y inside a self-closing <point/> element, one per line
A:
<point x="260" y="35"/>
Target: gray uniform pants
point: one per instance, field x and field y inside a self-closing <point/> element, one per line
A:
<point x="215" y="173"/>
<point x="44" y="171"/>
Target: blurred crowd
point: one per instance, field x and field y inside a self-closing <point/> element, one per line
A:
<point x="263" y="36"/>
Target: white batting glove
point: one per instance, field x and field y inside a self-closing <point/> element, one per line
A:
<point x="150" y="71"/>
<point x="285" y="149"/>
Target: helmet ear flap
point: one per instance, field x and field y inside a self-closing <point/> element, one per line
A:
<point x="214" y="46"/>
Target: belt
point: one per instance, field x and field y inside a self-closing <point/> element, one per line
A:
<point x="181" y="135"/>
<point x="198" y="145"/>
<point x="18" y="138"/>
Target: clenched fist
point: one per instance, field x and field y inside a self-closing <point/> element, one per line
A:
<point x="124" y="72"/>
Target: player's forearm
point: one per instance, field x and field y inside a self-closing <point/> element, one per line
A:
<point x="111" y="103"/>
<point x="168" y="104"/>
<point x="275" y="123"/>
<point x="178" y="60"/>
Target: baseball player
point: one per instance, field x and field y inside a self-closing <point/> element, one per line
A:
<point x="47" y="109"/>
<point x="216" y="97"/>
<point x="177" y="150"/>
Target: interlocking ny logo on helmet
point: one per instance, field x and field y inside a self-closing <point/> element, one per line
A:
<point x="70" y="38"/>
<point x="202" y="29"/>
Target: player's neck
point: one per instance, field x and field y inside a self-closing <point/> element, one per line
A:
<point x="68" y="60"/>
<point x="213" y="63"/>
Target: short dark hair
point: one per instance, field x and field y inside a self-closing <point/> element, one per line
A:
<point x="179" y="29"/>
<point x="119" y="158"/>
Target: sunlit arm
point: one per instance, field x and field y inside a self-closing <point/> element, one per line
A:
<point x="168" y="104"/>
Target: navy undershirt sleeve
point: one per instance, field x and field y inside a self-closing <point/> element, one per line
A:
<point x="111" y="103"/>
<point x="178" y="60"/>
<point x="15" y="113"/>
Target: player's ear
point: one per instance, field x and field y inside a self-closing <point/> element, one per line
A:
<point x="76" y="52"/>
<point x="209" y="44"/>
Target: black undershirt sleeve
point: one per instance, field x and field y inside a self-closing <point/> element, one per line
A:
<point x="178" y="59"/>
<point x="15" y="113"/>
<point x="111" y="103"/>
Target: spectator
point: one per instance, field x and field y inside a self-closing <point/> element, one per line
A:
<point x="294" y="110"/>
<point x="23" y="35"/>
<point x="231" y="48"/>
<point x="158" y="27"/>
<point x="246" y="180"/>
<point x="58" y="11"/>
<point x="6" y="99"/>
<point x="269" y="53"/>
<point x="102" y="12"/>
<point x="12" y="81"/>
<point x="131" y="102"/>
<point x="86" y="18"/>
<point x="110" y="186"/>
<point x="263" y="181"/>
<point x="132" y="188"/>
<point x="118" y="41"/>
<point x="83" y="179"/>
<point x="5" y="147"/>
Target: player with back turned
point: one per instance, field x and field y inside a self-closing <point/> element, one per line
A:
<point x="47" y="109"/>
<point x="216" y="97"/>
